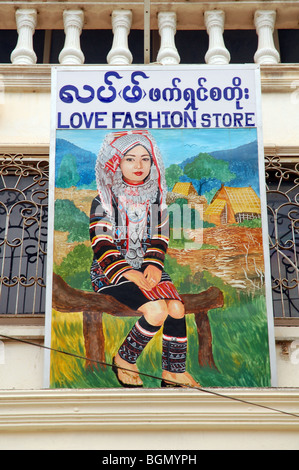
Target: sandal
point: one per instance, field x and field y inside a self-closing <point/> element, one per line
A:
<point x="173" y="383"/>
<point x="123" y="384"/>
<point x="166" y="384"/>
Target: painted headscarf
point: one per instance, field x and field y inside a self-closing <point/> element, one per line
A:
<point x="109" y="175"/>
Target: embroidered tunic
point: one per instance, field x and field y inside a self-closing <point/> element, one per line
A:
<point x="113" y="255"/>
<point x="129" y="229"/>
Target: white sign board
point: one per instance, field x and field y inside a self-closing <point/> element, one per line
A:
<point x="192" y="135"/>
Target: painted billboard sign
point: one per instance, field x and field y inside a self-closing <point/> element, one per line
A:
<point x="158" y="269"/>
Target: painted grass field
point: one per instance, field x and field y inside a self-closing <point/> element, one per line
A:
<point x="240" y="348"/>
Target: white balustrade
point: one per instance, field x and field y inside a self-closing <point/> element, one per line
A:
<point x="168" y="54"/>
<point x="121" y="25"/>
<point x="23" y="54"/>
<point x="217" y="53"/>
<point x="266" y="53"/>
<point x="71" y="53"/>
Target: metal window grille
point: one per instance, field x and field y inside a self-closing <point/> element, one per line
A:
<point x="282" y="180"/>
<point x="23" y="235"/>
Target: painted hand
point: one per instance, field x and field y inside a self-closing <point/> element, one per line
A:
<point x="153" y="275"/>
<point x="138" y="278"/>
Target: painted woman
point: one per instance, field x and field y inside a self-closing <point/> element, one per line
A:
<point x="129" y="236"/>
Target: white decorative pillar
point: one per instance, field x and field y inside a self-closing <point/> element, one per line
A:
<point x="71" y="53"/>
<point x="217" y="53"/>
<point x="168" y="54"/>
<point x="24" y="54"/>
<point x="264" y="21"/>
<point x="121" y="25"/>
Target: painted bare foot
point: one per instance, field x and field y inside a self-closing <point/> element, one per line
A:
<point x="172" y="379"/>
<point x="129" y="375"/>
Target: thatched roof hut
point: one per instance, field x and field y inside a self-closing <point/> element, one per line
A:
<point x="233" y="205"/>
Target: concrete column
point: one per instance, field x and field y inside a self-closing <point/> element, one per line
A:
<point x="121" y="25"/>
<point x="24" y="54"/>
<point x="71" y="53"/>
<point x="217" y="53"/>
<point x="264" y="21"/>
<point x="168" y="54"/>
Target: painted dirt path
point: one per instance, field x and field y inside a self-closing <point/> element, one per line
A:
<point x="236" y="255"/>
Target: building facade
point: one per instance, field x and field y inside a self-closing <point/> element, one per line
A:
<point x="34" y="36"/>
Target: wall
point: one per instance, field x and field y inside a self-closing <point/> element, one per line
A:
<point x="32" y="418"/>
<point x="25" y="126"/>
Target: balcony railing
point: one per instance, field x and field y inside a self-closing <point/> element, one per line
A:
<point x="32" y="31"/>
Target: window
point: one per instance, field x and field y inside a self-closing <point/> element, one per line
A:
<point x="289" y="45"/>
<point x="282" y="180"/>
<point x="200" y="44"/>
<point x="242" y="45"/>
<point x="8" y="41"/>
<point x="23" y="235"/>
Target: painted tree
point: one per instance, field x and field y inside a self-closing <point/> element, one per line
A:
<point x="68" y="172"/>
<point x="68" y="218"/>
<point x="205" y="168"/>
<point x="172" y="175"/>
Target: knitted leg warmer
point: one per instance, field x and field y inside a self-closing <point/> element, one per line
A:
<point x="174" y="345"/>
<point x="140" y="335"/>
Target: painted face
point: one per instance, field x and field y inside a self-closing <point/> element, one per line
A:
<point x="136" y="165"/>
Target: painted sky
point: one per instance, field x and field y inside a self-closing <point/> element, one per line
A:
<point x="176" y="145"/>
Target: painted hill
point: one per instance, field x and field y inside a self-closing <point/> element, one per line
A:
<point x="82" y="160"/>
<point x="243" y="162"/>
